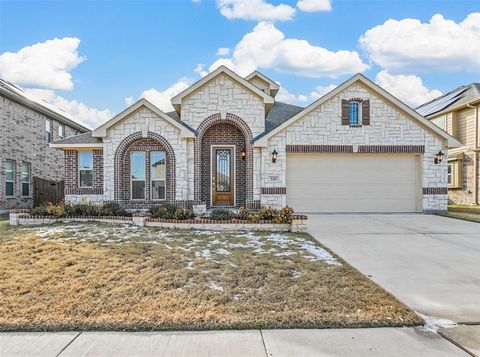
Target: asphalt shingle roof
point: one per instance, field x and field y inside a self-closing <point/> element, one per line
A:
<point x="85" y="138"/>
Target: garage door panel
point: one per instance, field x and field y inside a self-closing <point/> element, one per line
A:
<point x="352" y="183"/>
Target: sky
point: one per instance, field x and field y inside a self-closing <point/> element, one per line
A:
<point x="94" y="58"/>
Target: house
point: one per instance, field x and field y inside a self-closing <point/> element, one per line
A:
<point x="27" y="126"/>
<point x="457" y="113"/>
<point x="229" y="143"/>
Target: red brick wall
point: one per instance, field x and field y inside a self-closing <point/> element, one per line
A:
<point x="223" y="134"/>
<point x="71" y="174"/>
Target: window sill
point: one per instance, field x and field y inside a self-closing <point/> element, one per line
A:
<point x="10" y="197"/>
<point x="355" y="125"/>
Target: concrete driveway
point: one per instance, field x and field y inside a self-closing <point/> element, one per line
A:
<point x="430" y="263"/>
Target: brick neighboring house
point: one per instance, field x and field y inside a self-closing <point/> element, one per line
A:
<point x="24" y="144"/>
<point x="457" y="112"/>
<point x="229" y="143"/>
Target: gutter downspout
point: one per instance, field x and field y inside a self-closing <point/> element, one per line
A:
<point x="475" y="155"/>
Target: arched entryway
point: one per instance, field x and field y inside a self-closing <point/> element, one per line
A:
<point x="223" y="162"/>
<point x="144" y="171"/>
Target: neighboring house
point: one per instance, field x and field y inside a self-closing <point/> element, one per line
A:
<point x="457" y="112"/>
<point x="229" y="143"/>
<point x="27" y="126"/>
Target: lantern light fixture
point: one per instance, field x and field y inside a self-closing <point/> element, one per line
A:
<point x="438" y="157"/>
<point x="274" y="156"/>
<point x="243" y="154"/>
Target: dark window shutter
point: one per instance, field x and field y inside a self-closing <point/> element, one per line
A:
<point x="345" y="111"/>
<point x="366" y="112"/>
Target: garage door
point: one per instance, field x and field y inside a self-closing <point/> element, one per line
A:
<point x="353" y="183"/>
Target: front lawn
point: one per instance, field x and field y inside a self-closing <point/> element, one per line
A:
<point x="467" y="213"/>
<point x="99" y="276"/>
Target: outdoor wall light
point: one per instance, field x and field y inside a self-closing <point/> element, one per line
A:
<point x="439" y="157"/>
<point x="243" y="154"/>
<point x="274" y="156"/>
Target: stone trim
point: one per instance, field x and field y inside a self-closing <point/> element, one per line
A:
<point x="319" y="148"/>
<point x="121" y="169"/>
<point x="201" y="130"/>
<point x="400" y="149"/>
<point x="435" y="191"/>
<point x="274" y="190"/>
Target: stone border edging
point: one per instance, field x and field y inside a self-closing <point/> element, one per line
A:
<point x="299" y="222"/>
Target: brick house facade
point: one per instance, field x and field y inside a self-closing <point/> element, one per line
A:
<point x="23" y="144"/>
<point x="230" y="143"/>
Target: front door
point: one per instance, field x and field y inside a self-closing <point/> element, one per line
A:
<point x="223" y="170"/>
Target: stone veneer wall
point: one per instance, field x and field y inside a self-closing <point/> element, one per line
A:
<point x="223" y="95"/>
<point x="387" y="127"/>
<point x="22" y="140"/>
<point x="144" y="121"/>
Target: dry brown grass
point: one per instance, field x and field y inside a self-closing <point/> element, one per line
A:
<point x="94" y="276"/>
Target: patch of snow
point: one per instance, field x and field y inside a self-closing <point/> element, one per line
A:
<point x="189" y="266"/>
<point x="222" y="251"/>
<point x="285" y="254"/>
<point x="204" y="254"/>
<point x="433" y="324"/>
<point x="319" y="253"/>
<point x="215" y="287"/>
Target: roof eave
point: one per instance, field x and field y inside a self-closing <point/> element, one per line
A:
<point x="77" y="146"/>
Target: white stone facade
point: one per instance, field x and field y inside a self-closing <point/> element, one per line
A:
<point x="323" y="126"/>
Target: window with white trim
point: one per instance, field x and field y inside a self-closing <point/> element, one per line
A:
<point x="61" y="131"/>
<point x="26" y="178"/>
<point x="137" y="175"/>
<point x="85" y="169"/>
<point x="355" y="113"/>
<point x="9" y="178"/>
<point x="157" y="174"/>
<point x="48" y="130"/>
<point x="450" y="174"/>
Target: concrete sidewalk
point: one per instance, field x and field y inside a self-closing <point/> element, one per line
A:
<point x="251" y="343"/>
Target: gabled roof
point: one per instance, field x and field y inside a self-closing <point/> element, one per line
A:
<point x="274" y="86"/>
<point x="279" y="114"/>
<point x="426" y="124"/>
<point x="454" y="99"/>
<point x="85" y="140"/>
<point x="101" y="131"/>
<point x="177" y="100"/>
<point x="18" y="95"/>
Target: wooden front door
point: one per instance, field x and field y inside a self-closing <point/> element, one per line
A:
<point x="223" y="171"/>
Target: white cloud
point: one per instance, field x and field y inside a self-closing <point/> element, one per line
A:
<point x="258" y="10"/>
<point x="89" y="117"/>
<point x="162" y="99"/>
<point x="200" y="69"/>
<point x="129" y="101"/>
<point x="44" y="64"/>
<point x="223" y="51"/>
<point x="314" y="5"/>
<point x="320" y="91"/>
<point x="285" y="96"/>
<point x="267" y="47"/>
<point x="408" y="88"/>
<point x="439" y="44"/>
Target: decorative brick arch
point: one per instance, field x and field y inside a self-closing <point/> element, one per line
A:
<point x="241" y="125"/>
<point x="137" y="141"/>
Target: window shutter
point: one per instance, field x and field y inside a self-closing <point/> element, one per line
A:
<point x="366" y="112"/>
<point x="345" y="111"/>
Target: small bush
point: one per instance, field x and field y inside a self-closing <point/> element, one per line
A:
<point x="183" y="213"/>
<point x="285" y="215"/>
<point x="267" y="214"/>
<point x="39" y="211"/>
<point x="245" y="214"/>
<point x="221" y="214"/>
<point x="165" y="211"/>
<point x="112" y="209"/>
<point x="57" y="210"/>
<point x="83" y="210"/>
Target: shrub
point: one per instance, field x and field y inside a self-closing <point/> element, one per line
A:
<point x="57" y="210"/>
<point x="112" y="209"/>
<point x="183" y="213"/>
<point x="245" y="214"/>
<point x="285" y="215"/>
<point x="39" y="211"/>
<point x="165" y="211"/>
<point x="83" y="210"/>
<point x="220" y="214"/>
<point x="267" y="214"/>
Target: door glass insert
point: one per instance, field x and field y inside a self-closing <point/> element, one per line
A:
<point x="223" y="170"/>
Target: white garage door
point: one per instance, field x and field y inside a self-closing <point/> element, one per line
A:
<point x="353" y="183"/>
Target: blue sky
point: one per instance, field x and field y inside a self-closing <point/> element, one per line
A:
<point x="126" y="49"/>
